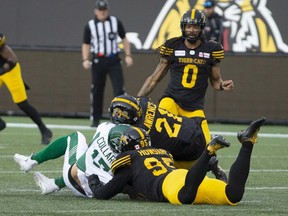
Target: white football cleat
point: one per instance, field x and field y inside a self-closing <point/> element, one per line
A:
<point x="46" y="184"/>
<point x="25" y="162"/>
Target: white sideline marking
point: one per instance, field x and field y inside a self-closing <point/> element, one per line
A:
<point x="34" y="190"/>
<point x="266" y="188"/>
<point x="82" y="127"/>
<point x="60" y="171"/>
<point x="260" y="134"/>
<point x="53" y="126"/>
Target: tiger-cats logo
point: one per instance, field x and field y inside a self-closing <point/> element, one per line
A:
<point x="248" y="25"/>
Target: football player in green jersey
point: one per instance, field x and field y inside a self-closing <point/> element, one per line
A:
<point x="192" y="62"/>
<point x="151" y="172"/>
<point x="81" y="160"/>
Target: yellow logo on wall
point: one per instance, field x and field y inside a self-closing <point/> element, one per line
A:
<point x="248" y="25"/>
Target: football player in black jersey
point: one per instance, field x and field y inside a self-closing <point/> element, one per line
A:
<point x="192" y="62"/>
<point x="181" y="136"/>
<point x="150" y="171"/>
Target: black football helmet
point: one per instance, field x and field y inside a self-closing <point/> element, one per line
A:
<point x="134" y="138"/>
<point x="125" y="109"/>
<point x="193" y="17"/>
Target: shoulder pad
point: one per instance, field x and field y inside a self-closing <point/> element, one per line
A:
<point x="122" y="161"/>
<point x="168" y="47"/>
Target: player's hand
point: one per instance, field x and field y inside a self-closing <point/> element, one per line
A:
<point x="87" y="64"/>
<point x="94" y="182"/>
<point x="227" y="85"/>
<point x="128" y="60"/>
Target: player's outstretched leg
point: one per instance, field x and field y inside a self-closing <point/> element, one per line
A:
<point x="54" y="150"/>
<point x="46" y="184"/>
<point x="197" y="173"/>
<point x="240" y="169"/>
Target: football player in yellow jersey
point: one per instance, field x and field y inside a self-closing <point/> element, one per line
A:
<point x="150" y="171"/>
<point x="192" y="62"/>
<point x="10" y="75"/>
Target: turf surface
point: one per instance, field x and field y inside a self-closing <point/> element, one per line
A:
<point x="266" y="191"/>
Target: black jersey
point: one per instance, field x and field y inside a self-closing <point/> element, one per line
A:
<point x="181" y="136"/>
<point x="147" y="169"/>
<point x="190" y="70"/>
<point x="2" y="61"/>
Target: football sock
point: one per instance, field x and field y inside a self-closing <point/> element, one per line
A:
<point x="54" y="150"/>
<point x="239" y="172"/>
<point x="60" y="182"/>
<point x="194" y="178"/>
<point x="33" y="114"/>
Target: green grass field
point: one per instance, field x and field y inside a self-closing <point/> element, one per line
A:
<point x="266" y="189"/>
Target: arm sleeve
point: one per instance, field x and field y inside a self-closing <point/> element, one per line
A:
<point x="115" y="186"/>
<point x="166" y="50"/>
<point x="121" y="30"/>
<point x="87" y="35"/>
<point x="217" y="53"/>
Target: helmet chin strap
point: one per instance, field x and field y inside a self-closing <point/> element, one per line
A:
<point x="194" y="40"/>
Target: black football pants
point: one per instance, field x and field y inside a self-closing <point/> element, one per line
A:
<point x="100" y="68"/>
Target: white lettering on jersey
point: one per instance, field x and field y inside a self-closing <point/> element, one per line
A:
<point x="180" y="53"/>
<point x="206" y="55"/>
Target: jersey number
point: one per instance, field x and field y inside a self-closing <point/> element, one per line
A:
<point x="189" y="77"/>
<point x="157" y="166"/>
<point x="99" y="162"/>
<point x="162" y="122"/>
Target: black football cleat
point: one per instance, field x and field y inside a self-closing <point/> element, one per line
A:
<point x="2" y="124"/>
<point x="217" y="142"/>
<point x="250" y="134"/>
<point x="217" y="170"/>
<point x="46" y="137"/>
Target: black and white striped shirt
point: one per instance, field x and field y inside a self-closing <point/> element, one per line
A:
<point x="103" y="36"/>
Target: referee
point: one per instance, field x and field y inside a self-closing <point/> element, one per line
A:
<point x="100" y="39"/>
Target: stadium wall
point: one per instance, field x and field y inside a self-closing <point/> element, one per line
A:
<point x="60" y="87"/>
<point x="47" y="35"/>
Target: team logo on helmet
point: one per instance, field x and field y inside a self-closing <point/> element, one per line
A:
<point x="119" y="113"/>
<point x="125" y="109"/>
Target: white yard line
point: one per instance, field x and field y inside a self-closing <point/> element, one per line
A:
<point x="82" y="127"/>
<point x="60" y="171"/>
